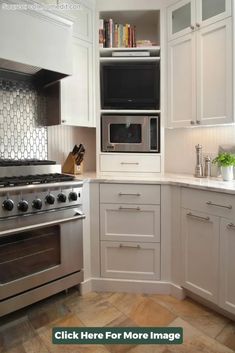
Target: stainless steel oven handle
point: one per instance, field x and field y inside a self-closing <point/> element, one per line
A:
<point x="76" y="217"/>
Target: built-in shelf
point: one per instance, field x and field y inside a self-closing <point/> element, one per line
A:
<point x="129" y="111"/>
<point x="107" y="52"/>
<point x="127" y="59"/>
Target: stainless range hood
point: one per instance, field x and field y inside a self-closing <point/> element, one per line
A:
<point x="40" y="77"/>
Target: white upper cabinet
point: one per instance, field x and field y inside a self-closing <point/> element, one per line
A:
<point x="181" y="18"/>
<point x="200" y="67"/>
<point x="214" y="73"/>
<point x="77" y="90"/>
<point x="181" y="81"/>
<point x="210" y="11"/>
<point x="188" y="15"/>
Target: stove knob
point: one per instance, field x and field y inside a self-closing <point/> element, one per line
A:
<point x="50" y="199"/>
<point x="37" y="204"/>
<point x="73" y="196"/>
<point x="23" y="206"/>
<point x="61" y="197"/>
<point x="8" y="205"/>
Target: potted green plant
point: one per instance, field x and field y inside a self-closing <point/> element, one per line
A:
<point x="226" y="161"/>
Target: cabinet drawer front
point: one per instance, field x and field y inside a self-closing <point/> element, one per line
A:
<point x="130" y="163"/>
<point x="130" y="193"/>
<point x="214" y="203"/>
<point x="130" y="222"/>
<point x="130" y="260"/>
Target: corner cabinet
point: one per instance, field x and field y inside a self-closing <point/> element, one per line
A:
<point x="227" y="263"/>
<point x="208" y="246"/>
<point x="200" y="63"/>
<point x="77" y="94"/>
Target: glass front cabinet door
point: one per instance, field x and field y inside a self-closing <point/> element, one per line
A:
<point x="189" y="15"/>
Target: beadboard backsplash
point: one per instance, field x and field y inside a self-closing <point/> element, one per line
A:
<point x="180" y="145"/>
<point x="61" y="140"/>
<point x="22" y="135"/>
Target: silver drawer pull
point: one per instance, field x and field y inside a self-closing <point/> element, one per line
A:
<point x="130" y="246"/>
<point x="210" y="203"/>
<point x="198" y="217"/>
<point x="121" y="194"/>
<point x="231" y="226"/>
<point x="131" y="163"/>
<point x="129" y="208"/>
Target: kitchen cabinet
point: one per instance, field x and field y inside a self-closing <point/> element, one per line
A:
<point x="77" y="93"/>
<point x="130" y="260"/>
<point x="188" y="15"/>
<point x="130" y="163"/>
<point x="130" y="231"/>
<point x="200" y="246"/>
<point x="208" y="246"/>
<point x="227" y="265"/>
<point x="200" y="77"/>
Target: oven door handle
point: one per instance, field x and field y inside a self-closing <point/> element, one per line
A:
<point x="77" y="216"/>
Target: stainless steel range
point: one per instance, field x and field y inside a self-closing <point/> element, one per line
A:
<point x="40" y="232"/>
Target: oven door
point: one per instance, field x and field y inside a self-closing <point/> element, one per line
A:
<point x="39" y="249"/>
<point x="125" y="133"/>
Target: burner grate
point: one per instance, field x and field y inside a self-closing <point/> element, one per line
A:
<point x="34" y="179"/>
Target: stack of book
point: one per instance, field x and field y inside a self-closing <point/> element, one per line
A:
<point x="113" y="35"/>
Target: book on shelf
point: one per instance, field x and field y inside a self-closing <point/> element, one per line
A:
<point x="114" y="35"/>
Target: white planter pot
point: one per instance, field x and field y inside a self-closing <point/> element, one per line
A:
<point x="227" y="173"/>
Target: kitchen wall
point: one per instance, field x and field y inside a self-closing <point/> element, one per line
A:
<point x="180" y="145"/>
<point x="61" y="140"/>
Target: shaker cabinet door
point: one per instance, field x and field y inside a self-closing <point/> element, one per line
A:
<point x="200" y="247"/>
<point x="181" y="81"/>
<point x="214" y="73"/>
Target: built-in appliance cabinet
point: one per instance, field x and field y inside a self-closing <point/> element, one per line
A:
<point x="208" y="246"/>
<point x="199" y="63"/>
<point x="147" y="25"/>
<point x="130" y="231"/>
<point x="77" y="91"/>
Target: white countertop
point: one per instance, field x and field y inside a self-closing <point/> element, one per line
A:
<point x="185" y="180"/>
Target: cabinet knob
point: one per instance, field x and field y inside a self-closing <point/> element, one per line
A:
<point x="63" y="121"/>
<point x="192" y="27"/>
<point x="192" y="122"/>
<point x="198" y="25"/>
<point x="198" y="122"/>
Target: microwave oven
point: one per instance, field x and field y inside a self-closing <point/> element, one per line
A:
<point x="130" y="85"/>
<point x="130" y="133"/>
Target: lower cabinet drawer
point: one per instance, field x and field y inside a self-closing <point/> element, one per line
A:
<point x="122" y="222"/>
<point x="136" y="163"/>
<point x="130" y="260"/>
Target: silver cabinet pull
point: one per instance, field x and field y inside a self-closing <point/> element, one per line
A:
<point x="210" y="203"/>
<point x="198" y="217"/>
<point x="131" y="163"/>
<point x="231" y="226"/>
<point x="129" y="208"/>
<point x="122" y="194"/>
<point x="130" y="246"/>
